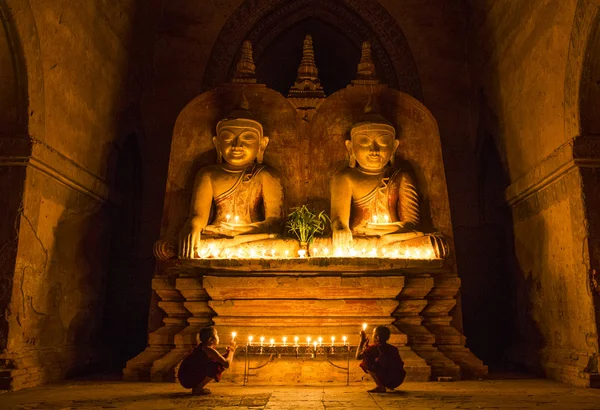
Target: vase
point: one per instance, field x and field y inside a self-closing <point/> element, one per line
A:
<point x="303" y="250"/>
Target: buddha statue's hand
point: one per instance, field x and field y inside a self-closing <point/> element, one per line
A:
<point x="189" y="240"/>
<point x="342" y="239"/>
<point x="381" y="229"/>
<point x="230" y="229"/>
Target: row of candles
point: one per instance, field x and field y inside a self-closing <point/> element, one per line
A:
<point x="316" y="343"/>
<point x="236" y="219"/>
<point x="253" y="253"/>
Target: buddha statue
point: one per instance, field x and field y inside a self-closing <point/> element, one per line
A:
<point x="238" y="200"/>
<point x="374" y="205"/>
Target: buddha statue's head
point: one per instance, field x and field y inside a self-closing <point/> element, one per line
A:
<point x="372" y="141"/>
<point x="240" y="140"/>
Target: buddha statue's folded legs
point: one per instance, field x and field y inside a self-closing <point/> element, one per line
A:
<point x="408" y="245"/>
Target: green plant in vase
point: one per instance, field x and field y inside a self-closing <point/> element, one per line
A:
<point x="305" y="224"/>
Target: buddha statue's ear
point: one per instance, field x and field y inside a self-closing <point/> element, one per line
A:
<point x="215" y="141"/>
<point x="264" y="141"/>
<point x="396" y="143"/>
<point x="352" y="160"/>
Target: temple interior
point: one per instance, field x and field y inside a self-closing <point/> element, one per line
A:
<point x="155" y="158"/>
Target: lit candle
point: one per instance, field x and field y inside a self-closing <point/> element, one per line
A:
<point x="320" y="341"/>
<point x="344" y="340"/>
<point x="364" y="327"/>
<point x="315" y="252"/>
<point x="287" y="253"/>
<point x="236" y="219"/>
<point x="386" y="218"/>
<point x="384" y="251"/>
<point x="215" y="253"/>
<point x="429" y="253"/>
<point x="252" y="253"/>
<point x="326" y="251"/>
<point x="407" y="254"/>
<point x="352" y="252"/>
<point x="272" y="253"/>
<point x="308" y="341"/>
<point x="284" y="340"/>
<point x="228" y="217"/>
<point x="396" y="253"/>
<point x="233" y="335"/>
<point x="418" y="253"/>
<point x="374" y="219"/>
<point x="315" y="345"/>
<point x="250" y="340"/>
<point x="374" y="252"/>
<point x="332" y="340"/>
<point x="262" y="340"/>
<point x="338" y="252"/>
<point x="363" y="250"/>
<point x="272" y="342"/>
<point x="295" y="340"/>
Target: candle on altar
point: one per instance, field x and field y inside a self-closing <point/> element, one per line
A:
<point x="326" y="251"/>
<point x="262" y="340"/>
<point x="344" y="340"/>
<point x="315" y="345"/>
<point x="315" y="252"/>
<point x="308" y="341"/>
<point x="272" y="342"/>
<point x="236" y="219"/>
<point x="364" y="326"/>
<point x="233" y="335"/>
<point x="284" y="340"/>
<point x="227" y="217"/>
<point x="374" y="219"/>
<point x="295" y="340"/>
<point x="287" y="253"/>
<point x="429" y="253"/>
<point x="332" y="340"/>
<point x="250" y="340"/>
<point x="320" y="341"/>
<point x="386" y="218"/>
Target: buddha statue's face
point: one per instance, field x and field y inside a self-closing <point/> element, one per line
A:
<point x="372" y="148"/>
<point x="240" y="145"/>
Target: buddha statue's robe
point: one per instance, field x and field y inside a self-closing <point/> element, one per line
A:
<point x="243" y="200"/>
<point x="394" y="192"/>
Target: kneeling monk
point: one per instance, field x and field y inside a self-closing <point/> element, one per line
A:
<point x="204" y="363"/>
<point x="381" y="360"/>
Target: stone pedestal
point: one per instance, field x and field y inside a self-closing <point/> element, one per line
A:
<point x="311" y="297"/>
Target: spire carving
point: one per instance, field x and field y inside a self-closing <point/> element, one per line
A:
<point x="366" y="74"/>
<point x="245" y="70"/>
<point x="307" y="92"/>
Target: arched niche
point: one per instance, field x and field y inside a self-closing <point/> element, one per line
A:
<point x="266" y="23"/>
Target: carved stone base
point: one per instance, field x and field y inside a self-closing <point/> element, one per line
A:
<point x="314" y="298"/>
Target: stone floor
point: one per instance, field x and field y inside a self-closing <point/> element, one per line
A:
<point x="489" y="394"/>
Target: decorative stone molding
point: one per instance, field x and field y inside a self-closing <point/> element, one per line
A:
<point x="45" y="159"/>
<point x="580" y="151"/>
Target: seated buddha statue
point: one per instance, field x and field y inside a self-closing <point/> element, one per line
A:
<point x="373" y="205"/>
<point x="238" y="200"/>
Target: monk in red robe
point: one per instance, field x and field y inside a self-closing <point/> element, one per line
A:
<point x="381" y="360"/>
<point x="204" y="363"/>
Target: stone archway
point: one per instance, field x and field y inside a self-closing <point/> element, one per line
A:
<point x="359" y="20"/>
<point x="582" y="127"/>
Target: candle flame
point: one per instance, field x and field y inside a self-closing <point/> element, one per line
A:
<point x="364" y="326"/>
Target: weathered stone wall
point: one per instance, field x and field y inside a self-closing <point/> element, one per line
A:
<point x="75" y="79"/>
<point x="520" y="54"/>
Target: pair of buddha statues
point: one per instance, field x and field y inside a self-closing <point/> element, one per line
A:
<point x="238" y="202"/>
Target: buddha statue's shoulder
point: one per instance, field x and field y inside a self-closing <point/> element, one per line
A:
<point x="346" y="174"/>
